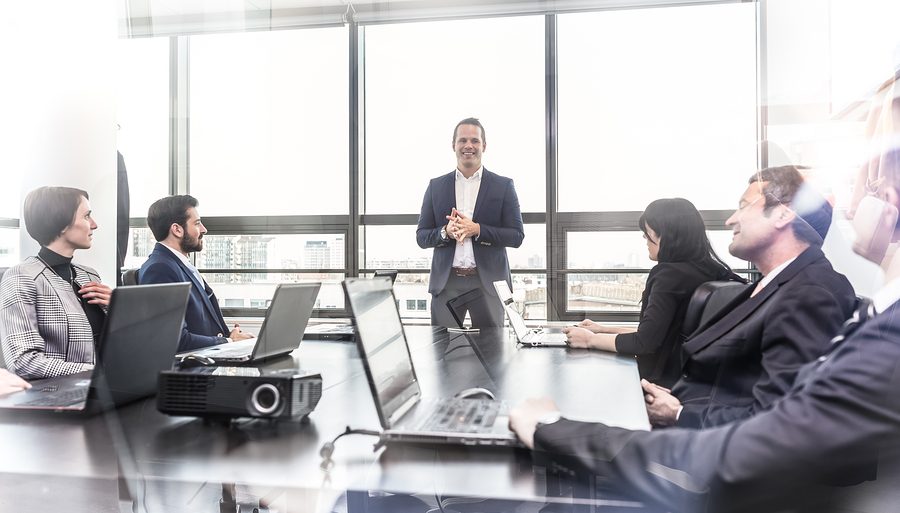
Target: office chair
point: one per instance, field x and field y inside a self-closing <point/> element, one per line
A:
<point x="707" y="301"/>
<point x="130" y="276"/>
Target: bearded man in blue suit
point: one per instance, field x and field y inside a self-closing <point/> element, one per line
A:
<point x="178" y="230"/>
<point x="469" y="216"/>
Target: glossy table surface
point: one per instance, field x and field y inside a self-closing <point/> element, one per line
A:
<point x="138" y="441"/>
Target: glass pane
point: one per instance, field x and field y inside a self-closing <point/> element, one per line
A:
<point x="411" y="292"/>
<point x="423" y="78"/>
<point x="530" y="294"/>
<point x="9" y="247"/>
<point x="142" y="243"/>
<point x="607" y="250"/>
<point x="532" y="254"/>
<point x="394" y="247"/>
<point x="255" y="290"/>
<point x="142" y="112"/>
<point x="607" y="292"/>
<point x="611" y="250"/>
<point x="637" y="118"/>
<point x="308" y="251"/>
<point x="269" y="116"/>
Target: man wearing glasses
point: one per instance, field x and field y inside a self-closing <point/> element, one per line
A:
<point x="178" y="230"/>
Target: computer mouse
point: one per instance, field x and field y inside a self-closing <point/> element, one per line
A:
<point x="195" y="360"/>
<point x="475" y="393"/>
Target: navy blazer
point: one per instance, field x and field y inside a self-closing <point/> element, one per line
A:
<point x="496" y="210"/>
<point x="842" y="411"/>
<point x="203" y="320"/>
<point x="747" y="356"/>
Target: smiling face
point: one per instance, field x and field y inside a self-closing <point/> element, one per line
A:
<point x="754" y="229"/>
<point x="469" y="145"/>
<point x="79" y="234"/>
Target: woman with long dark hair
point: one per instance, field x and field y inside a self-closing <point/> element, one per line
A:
<point x="52" y="309"/>
<point x="676" y="238"/>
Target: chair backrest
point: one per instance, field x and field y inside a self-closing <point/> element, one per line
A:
<point x="130" y="277"/>
<point x="707" y="301"/>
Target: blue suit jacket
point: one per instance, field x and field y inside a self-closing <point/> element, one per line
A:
<point x="496" y="210"/>
<point x="203" y="319"/>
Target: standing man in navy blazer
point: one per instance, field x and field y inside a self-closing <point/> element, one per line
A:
<point x="469" y="217"/>
<point x="178" y="230"/>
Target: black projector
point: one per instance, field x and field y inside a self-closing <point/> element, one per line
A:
<point x="227" y="392"/>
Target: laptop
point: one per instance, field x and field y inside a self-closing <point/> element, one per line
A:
<point x="345" y="332"/>
<point x="534" y="337"/>
<point x="139" y="337"/>
<point x="404" y="415"/>
<point x="280" y="333"/>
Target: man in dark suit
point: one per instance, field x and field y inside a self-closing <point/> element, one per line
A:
<point x="469" y="217"/>
<point x="842" y="413"/>
<point x="178" y="230"/>
<point x="747" y="356"/>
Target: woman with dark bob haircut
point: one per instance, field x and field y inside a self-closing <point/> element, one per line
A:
<point x="676" y="238"/>
<point x="53" y="310"/>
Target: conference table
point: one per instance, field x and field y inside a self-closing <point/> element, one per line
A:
<point x="139" y="457"/>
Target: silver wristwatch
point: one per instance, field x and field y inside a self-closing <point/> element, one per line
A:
<point x="444" y="232"/>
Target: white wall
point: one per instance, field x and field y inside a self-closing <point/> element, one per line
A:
<point x="57" y="97"/>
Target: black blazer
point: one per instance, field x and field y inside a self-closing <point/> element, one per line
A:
<point x="843" y="410"/>
<point x="203" y="321"/>
<point x="657" y="341"/>
<point x="496" y="210"/>
<point x="747" y="356"/>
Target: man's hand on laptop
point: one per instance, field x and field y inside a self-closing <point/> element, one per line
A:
<point x="10" y="383"/>
<point x="524" y="418"/>
<point x="236" y="334"/>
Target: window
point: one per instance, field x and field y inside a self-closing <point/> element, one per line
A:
<point x="423" y="78"/>
<point x="258" y="263"/>
<point x="142" y="112"/>
<point x="9" y="247"/>
<point x="269" y="122"/>
<point x="647" y="105"/>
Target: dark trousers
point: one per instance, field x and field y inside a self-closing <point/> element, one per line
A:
<point x="486" y="311"/>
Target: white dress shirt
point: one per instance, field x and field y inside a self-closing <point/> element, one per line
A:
<point x="466" y="194"/>
<point x="767" y="279"/>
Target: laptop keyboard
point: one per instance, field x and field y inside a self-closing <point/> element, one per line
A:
<point x="64" y="398"/>
<point x="463" y="416"/>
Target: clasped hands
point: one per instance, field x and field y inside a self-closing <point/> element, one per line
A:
<point x="460" y="227"/>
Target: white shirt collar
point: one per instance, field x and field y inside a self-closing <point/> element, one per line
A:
<point x="475" y="177"/>
<point x="886" y="296"/>
<point x="767" y="279"/>
<point x="180" y="256"/>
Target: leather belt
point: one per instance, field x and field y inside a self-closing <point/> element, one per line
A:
<point x="465" y="272"/>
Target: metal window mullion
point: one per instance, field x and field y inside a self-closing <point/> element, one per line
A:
<point x="179" y="115"/>
<point x="556" y="247"/>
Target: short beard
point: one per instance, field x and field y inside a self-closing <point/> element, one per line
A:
<point x="191" y="245"/>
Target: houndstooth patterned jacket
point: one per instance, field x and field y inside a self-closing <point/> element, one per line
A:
<point x="44" y="330"/>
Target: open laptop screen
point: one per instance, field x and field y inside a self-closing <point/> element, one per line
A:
<point x="382" y="344"/>
<point x="515" y="320"/>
